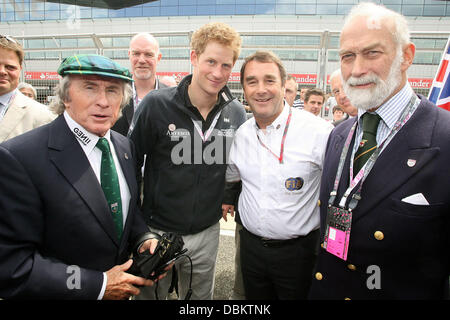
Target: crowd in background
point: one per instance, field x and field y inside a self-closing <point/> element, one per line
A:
<point x="121" y="155"/>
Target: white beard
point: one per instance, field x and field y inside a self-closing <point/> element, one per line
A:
<point x="371" y="98"/>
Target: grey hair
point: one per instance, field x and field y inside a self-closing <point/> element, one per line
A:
<point x="24" y="85"/>
<point x="335" y="74"/>
<point x="61" y="94"/>
<point x="376" y="13"/>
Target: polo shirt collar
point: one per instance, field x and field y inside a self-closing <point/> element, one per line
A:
<point x="280" y="121"/>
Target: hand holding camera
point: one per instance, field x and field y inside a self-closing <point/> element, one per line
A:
<point x="150" y="266"/>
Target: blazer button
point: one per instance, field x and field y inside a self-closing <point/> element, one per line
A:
<point x="319" y="276"/>
<point x="318" y="203"/>
<point x="351" y="267"/>
<point x="347" y="298"/>
<point x="378" y="235"/>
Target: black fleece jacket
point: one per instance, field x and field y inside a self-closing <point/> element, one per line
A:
<point x="184" y="177"/>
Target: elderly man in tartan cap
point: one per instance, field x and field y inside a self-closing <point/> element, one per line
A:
<point x="68" y="194"/>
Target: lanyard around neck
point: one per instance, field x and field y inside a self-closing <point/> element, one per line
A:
<point x="137" y="101"/>
<point x="365" y="170"/>
<point x="205" y="136"/>
<point x="280" y="158"/>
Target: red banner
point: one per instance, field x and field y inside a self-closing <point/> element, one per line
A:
<point x="41" y="75"/>
<point x="307" y="79"/>
<point x="421" y="83"/>
<point x="235" y="77"/>
<point x="176" y="75"/>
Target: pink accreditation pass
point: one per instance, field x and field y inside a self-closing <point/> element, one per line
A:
<point x="337" y="233"/>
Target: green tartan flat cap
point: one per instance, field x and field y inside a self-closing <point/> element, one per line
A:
<point x="93" y="64"/>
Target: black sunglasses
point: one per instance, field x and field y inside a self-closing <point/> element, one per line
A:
<point x="10" y="39"/>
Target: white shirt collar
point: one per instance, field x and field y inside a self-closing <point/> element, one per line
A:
<point x="280" y="121"/>
<point x="86" y="139"/>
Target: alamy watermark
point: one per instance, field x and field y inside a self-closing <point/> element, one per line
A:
<point x="190" y="148"/>
<point x="374" y="280"/>
<point x="73" y="281"/>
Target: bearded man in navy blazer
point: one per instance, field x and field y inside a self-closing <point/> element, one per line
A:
<point x="396" y="244"/>
<point x="58" y="236"/>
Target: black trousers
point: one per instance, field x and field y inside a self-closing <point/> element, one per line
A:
<point x="278" y="271"/>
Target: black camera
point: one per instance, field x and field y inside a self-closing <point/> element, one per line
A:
<point x="150" y="266"/>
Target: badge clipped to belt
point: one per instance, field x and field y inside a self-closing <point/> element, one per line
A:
<point x="339" y="218"/>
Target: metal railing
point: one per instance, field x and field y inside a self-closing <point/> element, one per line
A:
<point x="320" y="48"/>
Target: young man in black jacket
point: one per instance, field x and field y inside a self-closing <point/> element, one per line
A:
<point x="185" y="133"/>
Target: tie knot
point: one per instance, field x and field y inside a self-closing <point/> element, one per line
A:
<point x="370" y="122"/>
<point x="103" y="145"/>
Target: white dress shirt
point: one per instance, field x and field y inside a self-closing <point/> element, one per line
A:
<point x="94" y="156"/>
<point x="268" y="205"/>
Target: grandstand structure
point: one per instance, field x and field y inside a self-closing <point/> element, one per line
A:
<point x="303" y="33"/>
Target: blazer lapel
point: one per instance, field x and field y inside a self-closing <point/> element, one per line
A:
<point x="406" y="154"/>
<point x="12" y="118"/>
<point x="67" y="155"/>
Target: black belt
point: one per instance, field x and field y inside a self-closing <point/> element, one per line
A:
<point x="266" y="242"/>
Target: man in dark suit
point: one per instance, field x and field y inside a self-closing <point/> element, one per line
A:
<point x="64" y="232"/>
<point x="144" y="56"/>
<point x="384" y="227"/>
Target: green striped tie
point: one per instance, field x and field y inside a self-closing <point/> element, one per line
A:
<point x="368" y="142"/>
<point x="110" y="185"/>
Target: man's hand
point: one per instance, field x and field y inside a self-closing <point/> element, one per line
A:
<point x="227" y="208"/>
<point x="121" y="285"/>
<point x="151" y="246"/>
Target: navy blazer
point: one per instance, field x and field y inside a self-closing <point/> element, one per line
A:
<point x="54" y="215"/>
<point x="405" y="245"/>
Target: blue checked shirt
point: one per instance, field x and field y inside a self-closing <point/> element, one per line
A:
<point x="5" y="100"/>
<point x="389" y="112"/>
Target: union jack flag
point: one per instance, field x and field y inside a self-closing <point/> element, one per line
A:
<point x="440" y="91"/>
